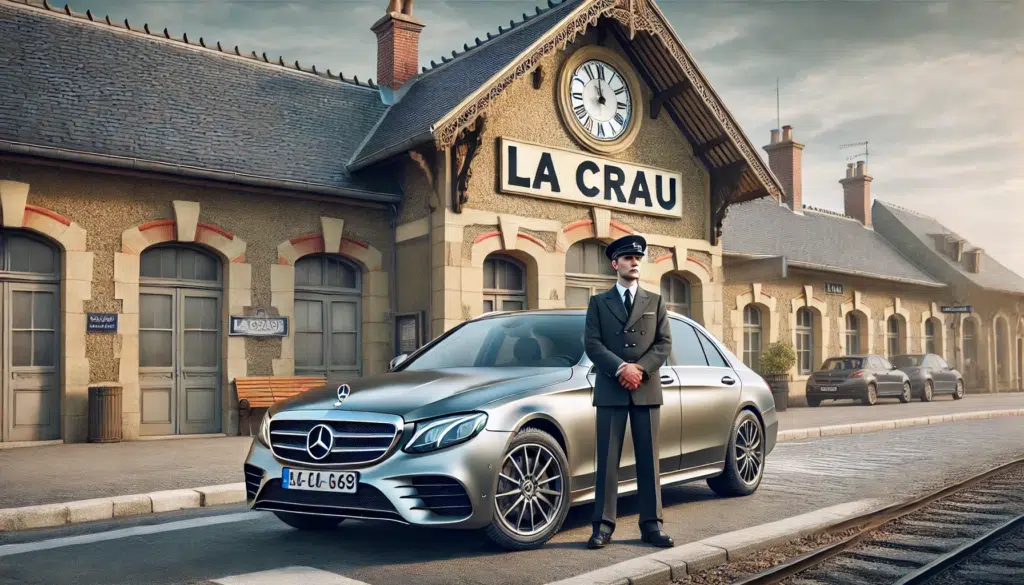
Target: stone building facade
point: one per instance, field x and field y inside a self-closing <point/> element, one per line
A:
<point x="184" y="214"/>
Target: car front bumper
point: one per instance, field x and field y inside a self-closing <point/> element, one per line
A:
<point x="452" y="487"/>
<point x="842" y="390"/>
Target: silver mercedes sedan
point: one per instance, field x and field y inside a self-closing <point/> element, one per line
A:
<point x="490" y="426"/>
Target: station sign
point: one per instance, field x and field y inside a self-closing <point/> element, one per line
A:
<point x="960" y="309"/>
<point x="259" y="326"/>
<point x="581" y="178"/>
<point x="833" y="288"/>
<point x="101" y="322"/>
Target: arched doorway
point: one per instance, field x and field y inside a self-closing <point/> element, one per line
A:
<point x="180" y="365"/>
<point x="328" y="317"/>
<point x="587" y="272"/>
<point x="30" y="310"/>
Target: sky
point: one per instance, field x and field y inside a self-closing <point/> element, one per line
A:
<point x="934" y="87"/>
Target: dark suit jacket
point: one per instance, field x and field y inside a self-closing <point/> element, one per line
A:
<point x="643" y="338"/>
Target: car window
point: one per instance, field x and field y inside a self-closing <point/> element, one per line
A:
<point x="940" y="363"/>
<point x="715" y="359"/>
<point x="686" y="348"/>
<point x="874" y="364"/>
<point x="908" y="361"/>
<point x="884" y="363"/>
<point x="843" y="364"/>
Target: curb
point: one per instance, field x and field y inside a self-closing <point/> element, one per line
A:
<point x="900" y="423"/>
<point x="50" y="515"/>
<point x="673" y="564"/>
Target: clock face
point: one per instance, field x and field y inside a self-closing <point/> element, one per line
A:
<point x="600" y="100"/>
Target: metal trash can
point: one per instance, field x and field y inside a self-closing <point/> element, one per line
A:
<point x="105" y="413"/>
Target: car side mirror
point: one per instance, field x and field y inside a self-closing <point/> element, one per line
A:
<point x="395" y="362"/>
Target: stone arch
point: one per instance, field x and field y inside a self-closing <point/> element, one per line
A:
<point x="76" y="275"/>
<point x="376" y="299"/>
<point x="820" y="328"/>
<point x="938" y="320"/>
<point x="531" y="251"/>
<point x="865" y="323"/>
<point x="1002" y="350"/>
<point x="767" y="304"/>
<point x="600" y="226"/>
<point x="185" y="227"/>
<point x="902" y="317"/>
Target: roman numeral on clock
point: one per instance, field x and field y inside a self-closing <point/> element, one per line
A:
<point x="620" y="91"/>
<point x="581" y="111"/>
<point x="620" y="119"/>
<point x="600" y="130"/>
<point x="577" y="95"/>
<point x="600" y="72"/>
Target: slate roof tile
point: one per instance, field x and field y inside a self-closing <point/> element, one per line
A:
<point x="89" y="84"/>
<point x="816" y="239"/>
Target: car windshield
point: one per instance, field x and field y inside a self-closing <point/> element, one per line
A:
<point x="510" y="341"/>
<point x="907" y="361"/>
<point x="843" y="364"/>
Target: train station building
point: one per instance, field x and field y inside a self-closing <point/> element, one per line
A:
<point x="178" y="215"/>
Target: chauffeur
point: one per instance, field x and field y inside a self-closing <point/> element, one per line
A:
<point x="627" y="338"/>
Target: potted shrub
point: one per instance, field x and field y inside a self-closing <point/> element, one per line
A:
<point x="776" y="361"/>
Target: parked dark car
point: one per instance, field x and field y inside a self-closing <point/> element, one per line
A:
<point x="863" y="377"/>
<point x="930" y="375"/>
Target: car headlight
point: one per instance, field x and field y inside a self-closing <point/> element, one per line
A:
<point x="445" y="432"/>
<point x="264" y="434"/>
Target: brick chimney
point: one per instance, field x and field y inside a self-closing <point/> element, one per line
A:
<point x="398" y="45"/>
<point x="785" y="157"/>
<point x="857" y="192"/>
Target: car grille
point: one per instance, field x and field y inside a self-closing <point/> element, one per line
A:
<point x="355" y="443"/>
<point x="368" y="502"/>
<point x="441" y="495"/>
<point x="253" y="475"/>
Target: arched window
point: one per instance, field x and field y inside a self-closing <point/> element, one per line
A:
<point x="852" y="334"/>
<point x="676" y="291"/>
<point x="804" y="340"/>
<point x="587" y="272"/>
<point x="752" y="337"/>
<point x="504" y="284"/>
<point x="1002" y="350"/>
<point x="929" y="336"/>
<point x="892" y="336"/>
<point x="328" y="317"/>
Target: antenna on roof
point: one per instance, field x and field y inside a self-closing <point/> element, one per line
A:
<point x="778" y="116"/>
<point x="859" y="154"/>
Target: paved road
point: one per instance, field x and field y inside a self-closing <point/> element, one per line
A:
<point x="802" y="476"/>
<point x="38" y="475"/>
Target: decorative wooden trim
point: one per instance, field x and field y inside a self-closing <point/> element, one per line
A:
<point x="466" y="148"/>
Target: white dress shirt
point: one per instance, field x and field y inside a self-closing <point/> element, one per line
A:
<point x="622" y="296"/>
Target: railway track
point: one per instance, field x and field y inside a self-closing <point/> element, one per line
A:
<point x="968" y="533"/>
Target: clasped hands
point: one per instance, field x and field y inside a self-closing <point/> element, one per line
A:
<point x="630" y="376"/>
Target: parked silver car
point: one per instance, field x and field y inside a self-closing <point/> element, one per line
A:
<point x="930" y="375"/>
<point x="860" y="377"/>
<point x="490" y="426"/>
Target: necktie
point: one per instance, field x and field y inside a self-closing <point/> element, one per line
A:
<point x="628" y="301"/>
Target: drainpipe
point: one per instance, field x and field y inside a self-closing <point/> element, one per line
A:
<point x="393" y="279"/>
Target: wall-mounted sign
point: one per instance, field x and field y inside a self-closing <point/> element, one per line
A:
<point x="259" y="326"/>
<point x="409" y="332"/>
<point x="101" y="322"/>
<point x="833" y="288"/>
<point x="959" y="309"/>
<point x="578" y="177"/>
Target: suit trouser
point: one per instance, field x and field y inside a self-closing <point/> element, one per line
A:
<point x="611" y="429"/>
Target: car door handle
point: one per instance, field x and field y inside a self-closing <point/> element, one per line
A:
<point x="667" y="380"/>
<point x="727" y="380"/>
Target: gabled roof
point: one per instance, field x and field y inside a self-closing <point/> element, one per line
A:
<point x="84" y="88"/>
<point x="439" y="103"/>
<point x="930" y="232"/>
<point x="817" y="240"/>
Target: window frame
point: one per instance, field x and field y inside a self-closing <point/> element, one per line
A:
<point x="804" y="333"/>
<point x="687" y="304"/>
<point x="179" y="282"/>
<point x="750" y="329"/>
<point x="326" y="295"/>
<point x="8" y="234"/>
<point x="498" y="296"/>
<point x="594" y="283"/>
<point x="854" y="332"/>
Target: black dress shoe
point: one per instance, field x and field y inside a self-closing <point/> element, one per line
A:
<point x="658" y="538"/>
<point x="599" y="539"/>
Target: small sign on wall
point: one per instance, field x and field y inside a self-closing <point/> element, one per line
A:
<point x="101" y="322"/>
<point x="259" y="326"/>
<point x="833" y="288"/>
<point x="960" y="309"/>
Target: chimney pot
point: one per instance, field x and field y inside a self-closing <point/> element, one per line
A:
<point x="785" y="158"/>
<point x="775" y="136"/>
<point x="862" y="168"/>
<point x="787" y="133"/>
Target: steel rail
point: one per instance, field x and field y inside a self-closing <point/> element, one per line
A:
<point x="954" y="557"/>
<point x="867" y="523"/>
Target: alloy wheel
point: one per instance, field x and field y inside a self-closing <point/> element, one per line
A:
<point x="872" y="394"/>
<point x="749" y="451"/>
<point x="927" y="392"/>
<point x="959" y="389"/>
<point x="906" y="392"/>
<point x="530" y="489"/>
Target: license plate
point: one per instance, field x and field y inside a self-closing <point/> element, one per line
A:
<point x="828" y="388"/>
<point x="342" y="482"/>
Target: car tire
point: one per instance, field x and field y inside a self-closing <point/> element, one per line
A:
<point x="871" y="397"/>
<point x="737" y="479"/>
<point x="959" y="392"/>
<point x="905" y="397"/>
<point x="308" y="522"/>
<point x="814" y="402"/>
<point x="928" y="392"/>
<point x="502" y="530"/>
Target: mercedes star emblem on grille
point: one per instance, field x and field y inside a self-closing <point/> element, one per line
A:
<point x="343" y="392"/>
<point x="320" y="441"/>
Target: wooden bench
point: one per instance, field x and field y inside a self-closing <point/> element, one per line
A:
<point x="264" y="391"/>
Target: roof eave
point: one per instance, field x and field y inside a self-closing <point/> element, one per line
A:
<point x="389" y="152"/>
<point x="191" y="172"/>
<point x="837" y="270"/>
